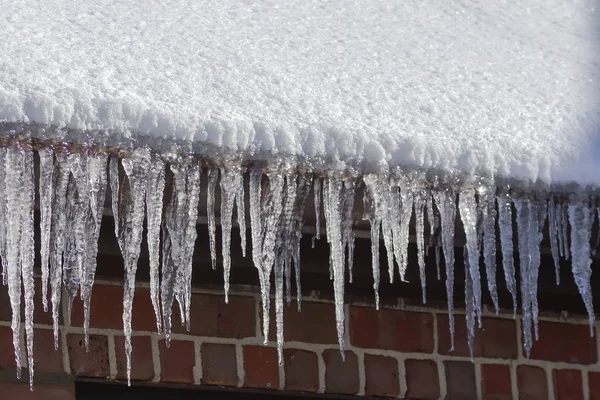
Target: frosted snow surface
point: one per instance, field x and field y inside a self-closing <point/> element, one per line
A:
<point x="487" y="87"/>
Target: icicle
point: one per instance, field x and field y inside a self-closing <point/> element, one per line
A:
<point x="303" y="192"/>
<point x="348" y="194"/>
<point x="581" y="225"/>
<point x="420" y="231"/>
<point x="488" y="206"/>
<point x="537" y="217"/>
<point x="131" y="226"/>
<point x="57" y="234"/>
<point x="272" y="207"/>
<point x="401" y="252"/>
<point x="523" y="220"/>
<point x="317" y="201"/>
<point x="14" y="177"/>
<point x="114" y="191"/>
<point x="231" y="180"/>
<point x="76" y="236"/>
<point x="468" y="214"/>
<point x="255" y="222"/>
<point x="469" y="302"/>
<point x="45" y="187"/>
<point x="333" y="218"/>
<point x="370" y="214"/>
<point x="437" y="262"/>
<point x="3" y="215"/>
<point x="506" y="240"/>
<point x="154" y="205"/>
<point x="446" y="205"/>
<point x="553" y="230"/>
<point x="564" y="224"/>
<point x="26" y="189"/>
<point x="96" y="170"/>
<point x="241" y="212"/>
<point x="213" y="175"/>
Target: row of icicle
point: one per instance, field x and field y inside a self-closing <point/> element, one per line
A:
<point x="72" y="188"/>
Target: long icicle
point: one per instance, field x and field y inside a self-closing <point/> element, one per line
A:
<point x="212" y="175"/>
<point x="506" y="241"/>
<point x="46" y="155"/>
<point x="468" y="214"/>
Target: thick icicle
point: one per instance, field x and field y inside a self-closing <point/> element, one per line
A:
<point x="488" y="205"/>
<point x="348" y="192"/>
<point x="255" y="189"/>
<point x="212" y="175"/>
<point x="26" y="205"/>
<point x="468" y="214"/>
<point x="114" y="191"/>
<point x="333" y="218"/>
<point x="241" y="211"/>
<point x="272" y="207"/>
<point x="231" y="180"/>
<point x="96" y="170"/>
<point x="446" y="205"/>
<point x="581" y="225"/>
<point x="564" y="224"/>
<point x="401" y="253"/>
<point x="3" y="215"/>
<point x="14" y="177"/>
<point x="506" y="240"/>
<point x="131" y="222"/>
<point x="58" y="229"/>
<point x="523" y="220"/>
<point x="304" y="185"/>
<point x="154" y="206"/>
<point x="46" y="155"/>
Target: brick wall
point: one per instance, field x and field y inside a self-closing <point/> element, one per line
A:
<point x="396" y="352"/>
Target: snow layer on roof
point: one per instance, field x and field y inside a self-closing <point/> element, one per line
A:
<point x="487" y="87"/>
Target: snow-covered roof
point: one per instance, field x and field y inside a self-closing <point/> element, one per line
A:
<point x="501" y="88"/>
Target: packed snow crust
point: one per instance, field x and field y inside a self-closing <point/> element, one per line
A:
<point x="495" y="88"/>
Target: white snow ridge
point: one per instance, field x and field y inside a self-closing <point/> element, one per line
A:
<point x="483" y="118"/>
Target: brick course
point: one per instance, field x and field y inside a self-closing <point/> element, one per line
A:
<point x="401" y="353"/>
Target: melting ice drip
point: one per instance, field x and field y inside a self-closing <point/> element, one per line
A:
<point x="72" y="189"/>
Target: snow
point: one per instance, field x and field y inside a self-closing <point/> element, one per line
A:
<point x="503" y="89"/>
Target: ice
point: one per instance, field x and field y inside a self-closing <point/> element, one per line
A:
<point x="333" y="218"/>
<point x="231" y="187"/>
<point x="419" y="203"/>
<point x="401" y="251"/>
<point x="131" y="224"/>
<point x="446" y="205"/>
<point x="317" y="201"/>
<point x="114" y="191"/>
<point x="468" y="215"/>
<point x="304" y="185"/>
<point x="212" y="175"/>
<point x="255" y="192"/>
<point x="46" y="155"/>
<point x="96" y="175"/>
<point x="581" y="225"/>
<point x="154" y="207"/>
<point x="470" y="306"/>
<point x="58" y="227"/>
<point x="487" y="202"/>
<point x="553" y="228"/>
<point x="372" y="216"/>
<point x="537" y="215"/>
<point x="348" y="194"/>
<point x="523" y="221"/>
<point x="506" y="241"/>
<point x="3" y="215"/>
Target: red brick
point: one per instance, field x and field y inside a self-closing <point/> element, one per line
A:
<point x="219" y="364"/>
<point x="568" y="384"/>
<point x="460" y="380"/>
<point x="46" y="392"/>
<point x="211" y="316"/>
<point x="532" y="383"/>
<point x="422" y="379"/>
<point x="495" y="382"/>
<point x="299" y="326"/>
<point x="565" y="342"/>
<point x="341" y="377"/>
<point x="301" y="370"/>
<point x="496" y="339"/>
<point x="381" y="376"/>
<point x="107" y="309"/>
<point x="93" y="363"/>
<point x="142" y="368"/>
<point x="46" y="358"/>
<point x="391" y="330"/>
<point x="594" y="383"/>
<point x="7" y="351"/>
<point x="177" y="361"/>
<point x="261" y="367"/>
